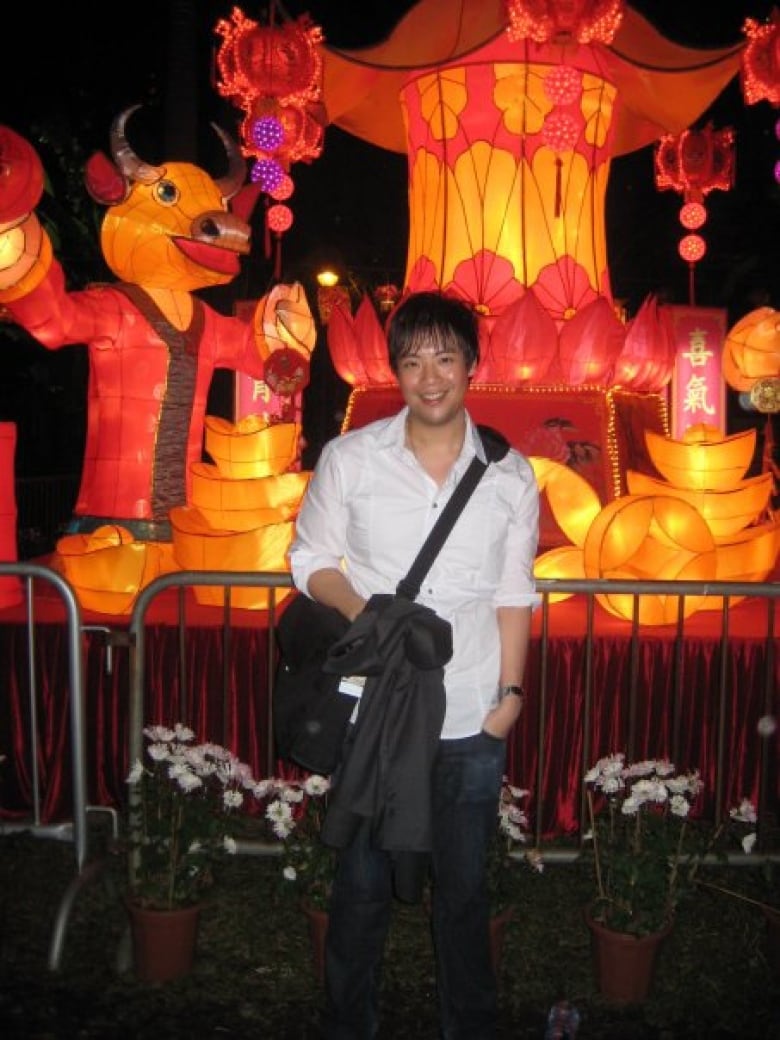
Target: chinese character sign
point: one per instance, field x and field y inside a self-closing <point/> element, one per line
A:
<point x="698" y="387"/>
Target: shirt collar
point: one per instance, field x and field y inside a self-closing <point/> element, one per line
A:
<point x="394" y="436"/>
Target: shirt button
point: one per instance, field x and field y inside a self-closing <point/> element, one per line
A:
<point x="435" y="505"/>
<point x="430" y="591"/>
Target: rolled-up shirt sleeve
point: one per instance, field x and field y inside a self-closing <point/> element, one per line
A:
<point x="516" y="586"/>
<point x="320" y="531"/>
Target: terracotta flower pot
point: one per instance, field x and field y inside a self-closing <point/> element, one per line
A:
<point x="318" y="929"/>
<point x="164" y="941"/>
<point x="498" y="926"/>
<point x="623" y="964"/>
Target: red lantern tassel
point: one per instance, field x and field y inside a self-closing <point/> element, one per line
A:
<point x="558" y="175"/>
<point x="278" y="259"/>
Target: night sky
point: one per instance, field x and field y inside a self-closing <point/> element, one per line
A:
<point x="94" y="67"/>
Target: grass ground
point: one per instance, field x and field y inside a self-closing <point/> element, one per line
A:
<point x="253" y="974"/>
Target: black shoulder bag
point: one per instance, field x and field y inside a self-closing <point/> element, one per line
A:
<point x="310" y="714"/>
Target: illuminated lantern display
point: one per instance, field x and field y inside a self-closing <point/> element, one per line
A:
<point x="153" y="346"/>
<point x="108" y="566"/>
<point x="703" y="459"/>
<point x="761" y="66"/>
<point x="242" y="506"/>
<point x="693" y="164"/>
<point x="22" y="176"/>
<point x="546" y="21"/>
<point x="751" y="351"/>
<point x="273" y="73"/>
<point x="509" y="115"/>
<point x="10" y="588"/>
<point x="358" y="347"/>
<point x="761" y="60"/>
<point x="647" y="538"/>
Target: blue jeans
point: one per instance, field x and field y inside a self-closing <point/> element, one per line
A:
<point x="465" y="787"/>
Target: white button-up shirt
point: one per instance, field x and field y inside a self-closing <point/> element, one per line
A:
<point x="368" y="509"/>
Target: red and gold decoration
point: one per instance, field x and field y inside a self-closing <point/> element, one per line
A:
<point x="761" y="66"/>
<point x="242" y="507"/>
<point x="548" y="21"/>
<point x="168" y="231"/>
<point x="273" y="73"/>
<point x="761" y="60"/>
<point x="693" y="164"/>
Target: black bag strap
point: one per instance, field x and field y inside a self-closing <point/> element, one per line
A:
<point x="496" y="447"/>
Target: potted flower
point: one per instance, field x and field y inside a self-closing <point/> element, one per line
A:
<point x="506" y="849"/>
<point x="296" y="811"/>
<point x="647" y="848"/>
<point x="184" y="802"/>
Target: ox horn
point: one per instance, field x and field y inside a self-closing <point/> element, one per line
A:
<point x="133" y="168"/>
<point x="233" y="181"/>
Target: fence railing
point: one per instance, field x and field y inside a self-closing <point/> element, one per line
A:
<point x="541" y="684"/>
<point x="74" y="828"/>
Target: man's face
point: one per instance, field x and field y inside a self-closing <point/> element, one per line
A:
<point x="433" y="382"/>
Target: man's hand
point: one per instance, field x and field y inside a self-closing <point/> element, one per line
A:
<point x="499" y="720"/>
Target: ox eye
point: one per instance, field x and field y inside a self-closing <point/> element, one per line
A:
<point x="166" y="192"/>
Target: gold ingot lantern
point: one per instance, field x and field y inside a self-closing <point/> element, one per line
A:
<point x="242" y="505"/>
<point x="727" y="512"/>
<point x="108" y="567"/>
<point x="197" y="546"/>
<point x="650" y="538"/>
<point x="252" y="447"/>
<point x="704" y="459"/>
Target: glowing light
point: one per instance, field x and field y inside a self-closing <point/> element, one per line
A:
<point x="692" y="248"/>
<point x="585" y="21"/>
<point x="267" y="173"/>
<point x="563" y="85"/>
<point x="267" y="133"/>
<point x="693" y="215"/>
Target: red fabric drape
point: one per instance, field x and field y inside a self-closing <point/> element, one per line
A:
<point x="676" y="711"/>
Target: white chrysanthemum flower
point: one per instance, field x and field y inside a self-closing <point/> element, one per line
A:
<point x="159" y="734"/>
<point x="291" y="794"/>
<point x="158" y="752"/>
<point x="316" y="785"/>
<point x="679" y="806"/>
<point x="262" y="788"/>
<point x="748" y="842"/>
<point x="135" y="773"/>
<point x="745" y="812"/>
<point x="664" y="767"/>
<point x="630" y="806"/>
<point x="611" y="784"/>
<point x="232" y="799"/>
<point x="644" y="768"/>
<point x="229" y="845"/>
<point x="278" y="812"/>
<point x="290" y="873"/>
<point x="188" y="781"/>
<point x="195" y="846"/>
<point x="183" y="733"/>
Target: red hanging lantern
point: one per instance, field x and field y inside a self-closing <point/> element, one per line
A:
<point x="583" y="21"/>
<point x="761" y="60"/>
<point x="695" y="161"/>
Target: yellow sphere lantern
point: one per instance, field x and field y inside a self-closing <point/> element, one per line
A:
<point x="752" y="349"/>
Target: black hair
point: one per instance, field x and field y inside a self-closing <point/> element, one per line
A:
<point x="432" y="317"/>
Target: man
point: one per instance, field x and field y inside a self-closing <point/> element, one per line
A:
<point x="374" y="495"/>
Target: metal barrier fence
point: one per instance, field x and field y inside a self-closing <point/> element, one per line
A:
<point x="541" y="680"/>
<point x="542" y="690"/>
<point x="73" y="829"/>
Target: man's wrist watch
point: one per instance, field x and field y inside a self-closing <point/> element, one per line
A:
<point x="511" y="689"/>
